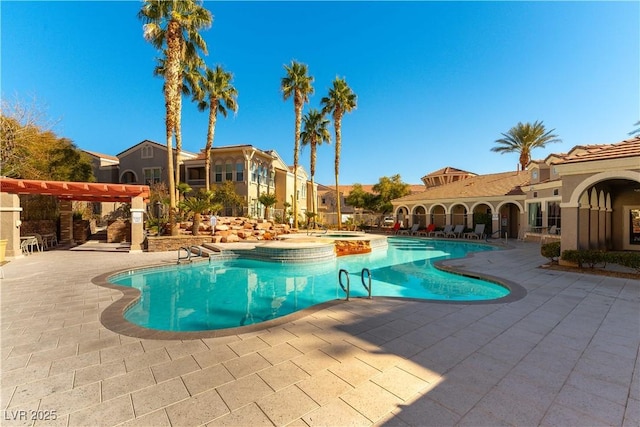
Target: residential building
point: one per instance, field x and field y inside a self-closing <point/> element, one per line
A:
<point x="146" y="163"/>
<point x="253" y="172"/>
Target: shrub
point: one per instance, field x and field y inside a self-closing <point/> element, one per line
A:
<point x="628" y="259"/>
<point x="551" y="251"/>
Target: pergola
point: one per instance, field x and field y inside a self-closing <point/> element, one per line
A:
<point x="67" y="192"/>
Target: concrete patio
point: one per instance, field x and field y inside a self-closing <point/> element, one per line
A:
<point x="564" y="355"/>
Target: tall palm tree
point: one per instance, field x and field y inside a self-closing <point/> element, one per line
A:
<point x="189" y="84"/>
<point x="315" y="132"/>
<point x="296" y="83"/>
<point x="341" y="100"/>
<point x="218" y="95"/>
<point x="173" y="26"/>
<point x="523" y="138"/>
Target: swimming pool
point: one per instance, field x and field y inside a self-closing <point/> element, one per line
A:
<point x="240" y="292"/>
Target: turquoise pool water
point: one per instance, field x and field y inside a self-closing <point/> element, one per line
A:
<point x="223" y="294"/>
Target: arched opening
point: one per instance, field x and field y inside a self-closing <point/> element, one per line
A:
<point x="509" y="219"/>
<point x="128" y="177"/>
<point x="609" y="215"/>
<point x="459" y="215"/>
<point x="438" y="215"/>
<point x="419" y="216"/>
<point x="482" y="214"/>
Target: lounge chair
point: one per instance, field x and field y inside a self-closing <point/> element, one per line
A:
<point x="447" y="229"/>
<point x="412" y="231"/>
<point x="478" y="233"/>
<point x="426" y="232"/>
<point x="457" y="232"/>
<point x="395" y="228"/>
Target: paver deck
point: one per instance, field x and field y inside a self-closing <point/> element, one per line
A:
<point x="565" y="354"/>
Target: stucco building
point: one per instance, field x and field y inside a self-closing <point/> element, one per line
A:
<point x="588" y="198"/>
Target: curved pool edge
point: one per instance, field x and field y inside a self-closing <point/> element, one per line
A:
<point x="113" y="318"/>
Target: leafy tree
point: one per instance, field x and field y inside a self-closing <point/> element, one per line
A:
<point x="217" y="94"/>
<point x="340" y="100"/>
<point x="173" y="27"/>
<point x="523" y="138"/>
<point x="315" y="132"/>
<point x="29" y="152"/>
<point x="296" y="83"/>
<point x="226" y="195"/>
<point x="267" y="200"/>
<point x="389" y="189"/>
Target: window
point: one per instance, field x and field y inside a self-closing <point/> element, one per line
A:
<point x="196" y="174"/>
<point x="556" y="191"/>
<point x="254" y="172"/>
<point x="147" y="152"/>
<point x="228" y="168"/>
<point x="239" y="172"/>
<point x="218" y="173"/>
<point x="534" y="174"/>
<point x="553" y="214"/>
<point x="535" y="215"/>
<point x="152" y="176"/>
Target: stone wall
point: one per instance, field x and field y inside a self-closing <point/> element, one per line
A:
<point x="173" y="243"/>
<point x="118" y="231"/>
<point x="42" y="226"/>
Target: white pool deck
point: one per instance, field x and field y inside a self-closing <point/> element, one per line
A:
<point x="564" y="355"/>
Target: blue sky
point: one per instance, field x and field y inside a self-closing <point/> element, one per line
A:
<point x="437" y="82"/>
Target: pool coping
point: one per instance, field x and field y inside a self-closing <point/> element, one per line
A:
<point x="113" y="318"/>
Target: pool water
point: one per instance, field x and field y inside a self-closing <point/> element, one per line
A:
<point x="239" y="292"/>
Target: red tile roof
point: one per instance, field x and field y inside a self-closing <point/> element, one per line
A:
<point x="586" y="153"/>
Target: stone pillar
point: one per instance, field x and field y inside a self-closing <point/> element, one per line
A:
<point x="10" y="224"/>
<point x="602" y="228"/>
<point x="594" y="227"/>
<point x="66" y="222"/>
<point x="570" y="214"/>
<point x="608" y="230"/>
<point x="137" y="224"/>
<point x="583" y="226"/>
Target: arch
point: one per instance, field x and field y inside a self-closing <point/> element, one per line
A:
<point x="435" y="205"/>
<point x="599" y="177"/>
<point x="419" y="216"/>
<point x="454" y="204"/>
<point x="131" y="177"/>
<point x="478" y="203"/>
<point x="513" y="202"/>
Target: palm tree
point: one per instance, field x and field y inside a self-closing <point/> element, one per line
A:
<point x="218" y="95"/>
<point x="341" y="100"/>
<point x="523" y="138"/>
<point x="315" y="132"/>
<point x="189" y="84"/>
<point x="172" y="27"/>
<point x="267" y="201"/>
<point x="296" y="83"/>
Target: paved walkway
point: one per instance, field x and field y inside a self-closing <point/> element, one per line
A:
<point x="564" y="355"/>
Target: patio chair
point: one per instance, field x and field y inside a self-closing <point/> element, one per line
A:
<point x="413" y="230"/>
<point x="457" y="232"/>
<point x="478" y="233"/>
<point x="42" y="243"/>
<point x="395" y="228"/>
<point x="447" y="229"/>
<point x="427" y="231"/>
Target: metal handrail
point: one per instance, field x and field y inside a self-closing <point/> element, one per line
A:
<point x="347" y="290"/>
<point x="188" y="255"/>
<point x="367" y="287"/>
